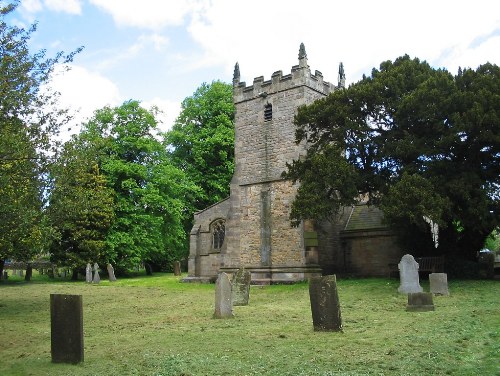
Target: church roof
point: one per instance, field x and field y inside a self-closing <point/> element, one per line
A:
<point x="364" y="217"/>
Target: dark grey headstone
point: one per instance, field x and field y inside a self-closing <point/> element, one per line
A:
<point x="408" y="275"/>
<point x="111" y="273"/>
<point x="66" y="334"/>
<point x="177" y="268"/>
<point x="420" y="302"/>
<point x="5" y="275"/>
<point x="325" y="305"/>
<point x="223" y="304"/>
<point x="241" y="287"/>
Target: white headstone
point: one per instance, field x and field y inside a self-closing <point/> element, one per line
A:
<point x="111" y="273"/>
<point x="439" y="283"/>
<point x="223" y="303"/>
<point x="408" y="275"/>
<point x="88" y="273"/>
<point x="96" y="279"/>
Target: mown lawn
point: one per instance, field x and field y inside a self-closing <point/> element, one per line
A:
<point x="158" y="326"/>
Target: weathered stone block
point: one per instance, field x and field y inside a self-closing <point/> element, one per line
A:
<point x="420" y="302"/>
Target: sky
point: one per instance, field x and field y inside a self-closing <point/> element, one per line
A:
<point x="160" y="51"/>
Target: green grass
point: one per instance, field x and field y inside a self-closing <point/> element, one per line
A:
<point x="158" y="326"/>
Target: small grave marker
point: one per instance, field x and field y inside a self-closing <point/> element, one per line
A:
<point x="223" y="304"/>
<point x="111" y="273"/>
<point x="240" y="287"/>
<point x="439" y="283"/>
<point x="420" y="302"/>
<point x="177" y="268"/>
<point x="88" y="273"/>
<point x="96" y="279"/>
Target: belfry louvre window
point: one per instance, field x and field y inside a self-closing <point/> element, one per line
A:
<point x="218" y="233"/>
<point x="268" y="112"/>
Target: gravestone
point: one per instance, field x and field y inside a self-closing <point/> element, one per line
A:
<point x="439" y="283"/>
<point x="66" y="328"/>
<point x="111" y="273"/>
<point x="5" y="275"/>
<point x="223" y="304"/>
<point x="420" y="302"/>
<point x="325" y="305"/>
<point x="177" y="268"/>
<point x="240" y="287"/>
<point x="96" y="278"/>
<point x="408" y="275"/>
<point x="88" y="273"/>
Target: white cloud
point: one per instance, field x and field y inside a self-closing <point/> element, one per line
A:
<point x="29" y="7"/>
<point x="261" y="34"/>
<point x="83" y="92"/>
<point x="170" y="110"/>
<point x="67" y="6"/>
<point x="148" y="14"/>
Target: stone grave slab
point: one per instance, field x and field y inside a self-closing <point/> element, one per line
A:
<point x="241" y="287"/>
<point x="439" y="283"/>
<point x="223" y="303"/>
<point x="325" y="305"/>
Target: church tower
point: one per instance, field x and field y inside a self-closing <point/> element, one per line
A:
<point x="258" y="232"/>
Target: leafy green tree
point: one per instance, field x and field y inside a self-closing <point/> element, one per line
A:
<point x="420" y="142"/>
<point x="201" y="142"/>
<point x="81" y="209"/>
<point x="29" y="117"/>
<point x="149" y="192"/>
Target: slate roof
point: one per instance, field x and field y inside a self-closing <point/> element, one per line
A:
<point x="364" y="217"/>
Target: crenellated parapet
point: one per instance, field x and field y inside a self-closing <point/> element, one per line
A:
<point x="300" y="76"/>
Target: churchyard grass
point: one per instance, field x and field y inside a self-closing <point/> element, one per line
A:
<point x="158" y="326"/>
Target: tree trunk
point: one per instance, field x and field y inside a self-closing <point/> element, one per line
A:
<point x="29" y="272"/>
<point x="149" y="269"/>
<point x="2" y="264"/>
<point x="74" y="277"/>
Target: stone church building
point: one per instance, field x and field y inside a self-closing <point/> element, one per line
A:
<point x="252" y="228"/>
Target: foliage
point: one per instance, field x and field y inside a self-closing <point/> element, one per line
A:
<point x="28" y="120"/>
<point x="81" y="207"/>
<point x="201" y="142"/>
<point x="419" y="142"/>
<point x="149" y="191"/>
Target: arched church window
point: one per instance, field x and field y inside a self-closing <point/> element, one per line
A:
<point x="218" y="233"/>
<point x="268" y="112"/>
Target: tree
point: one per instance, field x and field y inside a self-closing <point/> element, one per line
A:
<point x="419" y="142"/>
<point x="81" y="207"/>
<point x="148" y="190"/>
<point x="29" y="117"/>
<point x="201" y="142"/>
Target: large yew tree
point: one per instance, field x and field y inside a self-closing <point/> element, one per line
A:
<point x="418" y="142"/>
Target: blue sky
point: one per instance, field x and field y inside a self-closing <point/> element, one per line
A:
<point x="160" y="51"/>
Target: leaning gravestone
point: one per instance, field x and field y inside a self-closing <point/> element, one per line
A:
<point x="240" y="287"/>
<point x="88" y="273"/>
<point x="177" y="268"/>
<point x="111" y="273"/>
<point x="66" y="328"/>
<point x="439" y="283"/>
<point x="420" y="302"/>
<point x="408" y="274"/>
<point x="223" y="304"/>
<point x="325" y="305"/>
<point x="96" y="279"/>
